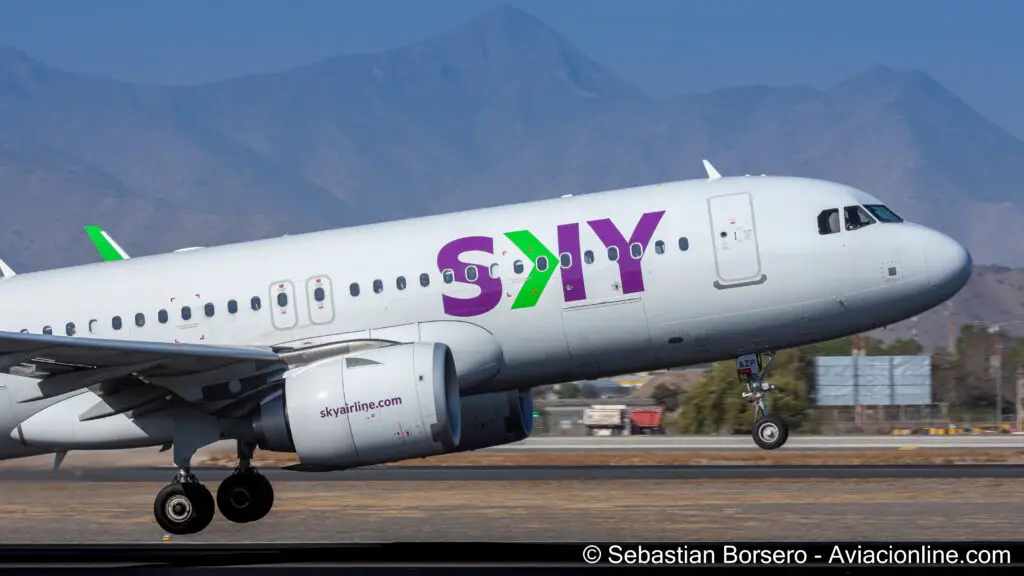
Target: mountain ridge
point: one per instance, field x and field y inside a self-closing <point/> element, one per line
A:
<point x="499" y="109"/>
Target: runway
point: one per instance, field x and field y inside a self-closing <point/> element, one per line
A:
<point x="577" y="510"/>
<point x="536" y="473"/>
<point x="652" y="443"/>
<point x="738" y="493"/>
<point x="740" y="442"/>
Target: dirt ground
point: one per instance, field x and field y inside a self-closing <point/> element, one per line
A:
<point x="147" y="457"/>
<point x="568" y="510"/>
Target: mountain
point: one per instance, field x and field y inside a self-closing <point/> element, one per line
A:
<point x="993" y="296"/>
<point x="500" y="109"/>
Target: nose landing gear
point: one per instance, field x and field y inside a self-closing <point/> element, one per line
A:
<point x="770" y="432"/>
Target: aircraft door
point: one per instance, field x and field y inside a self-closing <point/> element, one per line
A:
<point x="282" y="302"/>
<point x="320" y="295"/>
<point x="734" y="235"/>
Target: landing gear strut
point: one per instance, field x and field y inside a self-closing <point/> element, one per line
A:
<point x="770" y="432"/>
<point x="185" y="506"/>
<point x="246" y="495"/>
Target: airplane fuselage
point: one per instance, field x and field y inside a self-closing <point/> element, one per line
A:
<point x="562" y="289"/>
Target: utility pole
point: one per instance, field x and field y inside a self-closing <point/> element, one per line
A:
<point x="1020" y="398"/>
<point x="996" y="364"/>
<point x="950" y="330"/>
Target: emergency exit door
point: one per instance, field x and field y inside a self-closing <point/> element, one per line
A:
<point x="734" y="236"/>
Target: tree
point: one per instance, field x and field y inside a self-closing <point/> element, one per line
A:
<point x="715" y="404"/>
<point x="568" y="390"/>
<point x="589" y="391"/>
<point x="666" y="395"/>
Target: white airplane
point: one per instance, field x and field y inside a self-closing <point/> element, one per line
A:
<point x="419" y="337"/>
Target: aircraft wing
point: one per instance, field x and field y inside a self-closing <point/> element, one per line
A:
<point x="74" y="363"/>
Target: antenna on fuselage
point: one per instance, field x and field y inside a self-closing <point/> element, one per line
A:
<point x="712" y="173"/>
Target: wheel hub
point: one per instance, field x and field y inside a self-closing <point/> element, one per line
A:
<point x="240" y="498"/>
<point x="769" y="432"/>
<point x="179" y="508"/>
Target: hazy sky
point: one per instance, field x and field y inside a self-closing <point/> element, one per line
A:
<point x="974" y="47"/>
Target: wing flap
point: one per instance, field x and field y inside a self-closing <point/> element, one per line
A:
<point x="64" y="383"/>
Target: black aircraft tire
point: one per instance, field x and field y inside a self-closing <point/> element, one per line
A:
<point x="770" y="432"/>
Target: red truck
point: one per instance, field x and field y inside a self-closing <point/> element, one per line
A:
<point x="646" y="420"/>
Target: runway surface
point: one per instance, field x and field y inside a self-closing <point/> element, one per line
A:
<point x="577" y="510"/>
<point x="650" y="443"/>
<point x="741" y="442"/>
<point x="535" y="473"/>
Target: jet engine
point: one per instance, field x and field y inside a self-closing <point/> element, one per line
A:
<point x="495" y="419"/>
<point x="369" y="407"/>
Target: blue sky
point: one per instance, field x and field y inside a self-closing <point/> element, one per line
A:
<point x="974" y="47"/>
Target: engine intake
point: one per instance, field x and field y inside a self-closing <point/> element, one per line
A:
<point x="370" y="407"/>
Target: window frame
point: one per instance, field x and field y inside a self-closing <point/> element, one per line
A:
<point x="827" y="215"/>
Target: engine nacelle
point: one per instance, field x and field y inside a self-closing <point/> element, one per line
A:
<point x="495" y="419"/>
<point x="370" y="407"/>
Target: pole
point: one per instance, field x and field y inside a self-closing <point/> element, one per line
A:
<point x="1020" y="398"/>
<point x="996" y="363"/>
<point x="950" y="330"/>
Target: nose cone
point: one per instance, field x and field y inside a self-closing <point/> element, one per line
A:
<point x="949" y="264"/>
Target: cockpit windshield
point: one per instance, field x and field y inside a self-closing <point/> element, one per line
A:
<point x="883" y="213"/>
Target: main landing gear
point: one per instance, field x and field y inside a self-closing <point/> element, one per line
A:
<point x="770" y="432"/>
<point x="185" y="506"/>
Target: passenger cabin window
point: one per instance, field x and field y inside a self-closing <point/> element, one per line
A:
<point x="883" y="213"/>
<point x="494" y="271"/>
<point x="282" y="299"/>
<point x="613" y="254"/>
<point x="448" y="276"/>
<point x="255" y="303"/>
<point x="588" y="257"/>
<point x="353" y="289"/>
<point x="542" y="263"/>
<point x="186" y="313"/>
<point x="92" y="326"/>
<point x="69" y="328"/>
<point x="115" y="322"/>
<point x="140" y="319"/>
<point x="47" y="330"/>
<point x="208" y="308"/>
<point x="471" y="273"/>
<point x="517" y="266"/>
<point x="400" y="283"/>
<point x="684" y="244"/>
<point x="232" y="306"/>
<point x="378" y="286"/>
<point x="857" y="217"/>
<point x="636" y="250"/>
<point x="424" y="279"/>
<point x="319" y="294"/>
<point x="565" y="260"/>
<point x="659" y="247"/>
<point x="161" y="316"/>
<point x="828" y="221"/>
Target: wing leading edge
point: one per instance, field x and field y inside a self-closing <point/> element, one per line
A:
<point x="82" y="362"/>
